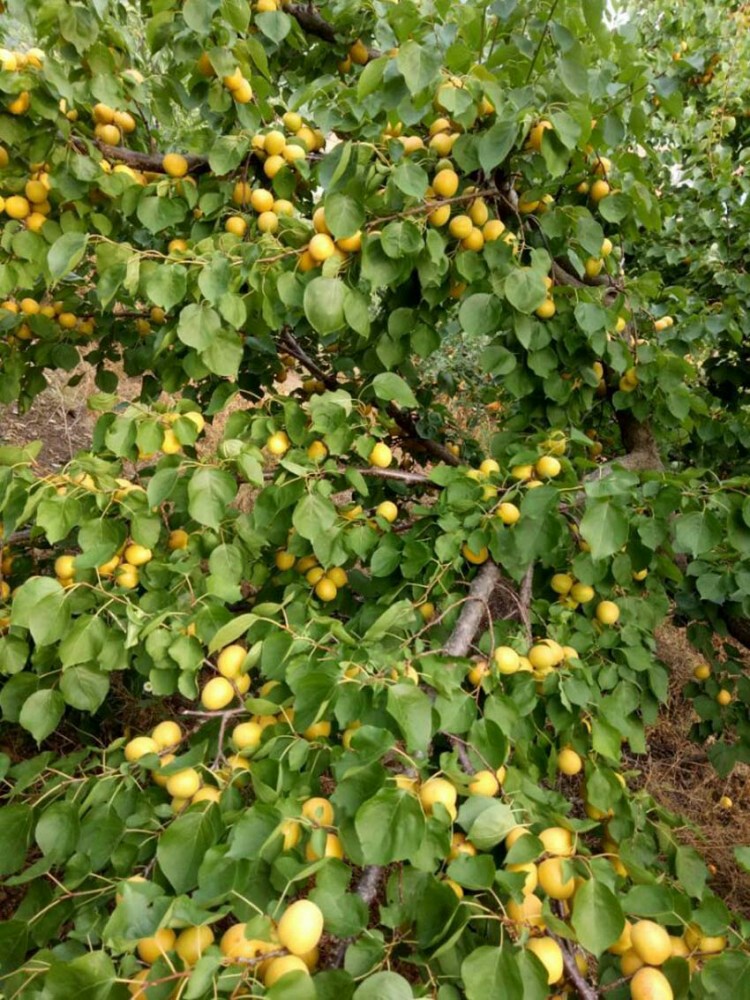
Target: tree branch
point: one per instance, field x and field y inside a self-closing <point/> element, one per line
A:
<point x="139" y="161"/>
<point x="471" y="615"/>
<point x="585" y="990"/>
<point x="367" y="888"/>
<point x="308" y="18"/>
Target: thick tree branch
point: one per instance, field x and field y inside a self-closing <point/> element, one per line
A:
<point x="471" y="615"/>
<point x="139" y="161"/>
<point x="308" y="18"/>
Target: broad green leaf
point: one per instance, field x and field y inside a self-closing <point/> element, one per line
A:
<point x="697" y="532"/>
<point x="210" y="492"/>
<point x="597" y="917"/>
<point x="84" y="688"/>
<point x="605" y="527"/>
<point x="496" y="143"/>
<point x="41" y="713"/>
<point x="480" y="314"/>
<point x="412" y="710"/>
<point x="393" y="389"/>
<point x="418" y="64"/>
<point x="324" y="304"/>
<point x="344" y="214"/>
<point x="491" y="971"/>
<point x="384" y="986"/>
<point x="390" y="826"/>
<point x="183" y="844"/>
<point x="16" y="824"/>
<point x="313" y="515"/>
<point x="525" y="289"/>
<point x="66" y="254"/>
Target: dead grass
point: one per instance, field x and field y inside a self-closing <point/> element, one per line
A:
<point x="678" y="774"/>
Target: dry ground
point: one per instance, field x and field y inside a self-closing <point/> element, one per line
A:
<point x="676" y="771"/>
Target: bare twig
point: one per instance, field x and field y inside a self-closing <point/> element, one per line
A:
<point x="292" y="346"/>
<point x="585" y="990"/>
<point x="460" y="747"/>
<point x="524" y="601"/>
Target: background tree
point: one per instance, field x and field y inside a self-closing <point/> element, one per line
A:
<point x="385" y="667"/>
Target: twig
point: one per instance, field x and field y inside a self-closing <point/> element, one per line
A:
<point x="585" y="990"/>
<point x="524" y="601"/>
<point x="460" y="747"/>
<point x="292" y="346"/>
<point x="545" y="29"/>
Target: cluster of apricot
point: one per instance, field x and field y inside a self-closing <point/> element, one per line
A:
<point x="57" y="311"/>
<point x="473" y="228"/>
<point x="326" y="583"/>
<point x="12" y="61"/>
<point x="111" y="125"/>
<point x="291" y="946"/>
<point x="123" y="567"/>
<point x="33" y="206"/>
<point x="573" y="592"/>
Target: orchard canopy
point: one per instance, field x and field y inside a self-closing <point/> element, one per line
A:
<point x="327" y="669"/>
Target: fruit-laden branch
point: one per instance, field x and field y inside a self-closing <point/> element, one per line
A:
<point x="312" y="23"/>
<point x="139" y="161"/>
<point x="289" y="343"/>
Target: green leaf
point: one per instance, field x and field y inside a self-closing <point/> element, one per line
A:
<point x="313" y="515"/>
<point x="412" y="710"/>
<point x="275" y="25"/>
<point x="39" y="605"/>
<point x="597" y="917"/>
<point x="525" y="289"/>
<point x="41" y="713"/>
<point x="183" y="845"/>
<point x="223" y="355"/>
<point x="65" y="254"/>
<point x="418" y="64"/>
<point x="344" y="215"/>
<point x="480" y="314"/>
<point x="16" y="824"/>
<point x="393" y="389"/>
<point x="166" y="284"/>
<point x="496" y="143"/>
<point x="605" y="528"/>
<point x="491" y="972"/>
<point x="691" y="871"/>
<point x="392" y="621"/>
<point x="14" y="941"/>
<point x="89" y="977"/>
<point x="698" y="532"/>
<point x="390" y="826"/>
<point x="371" y="76"/>
<point x="324" y="304"/>
<point x="210" y="491"/>
<point x="491" y="823"/>
<point x="198" y="325"/>
<point x="411" y="179"/>
<point x="84" y="688"/>
<point x="157" y="214"/>
<point x="384" y="986"/>
<point x="227" y="153"/>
